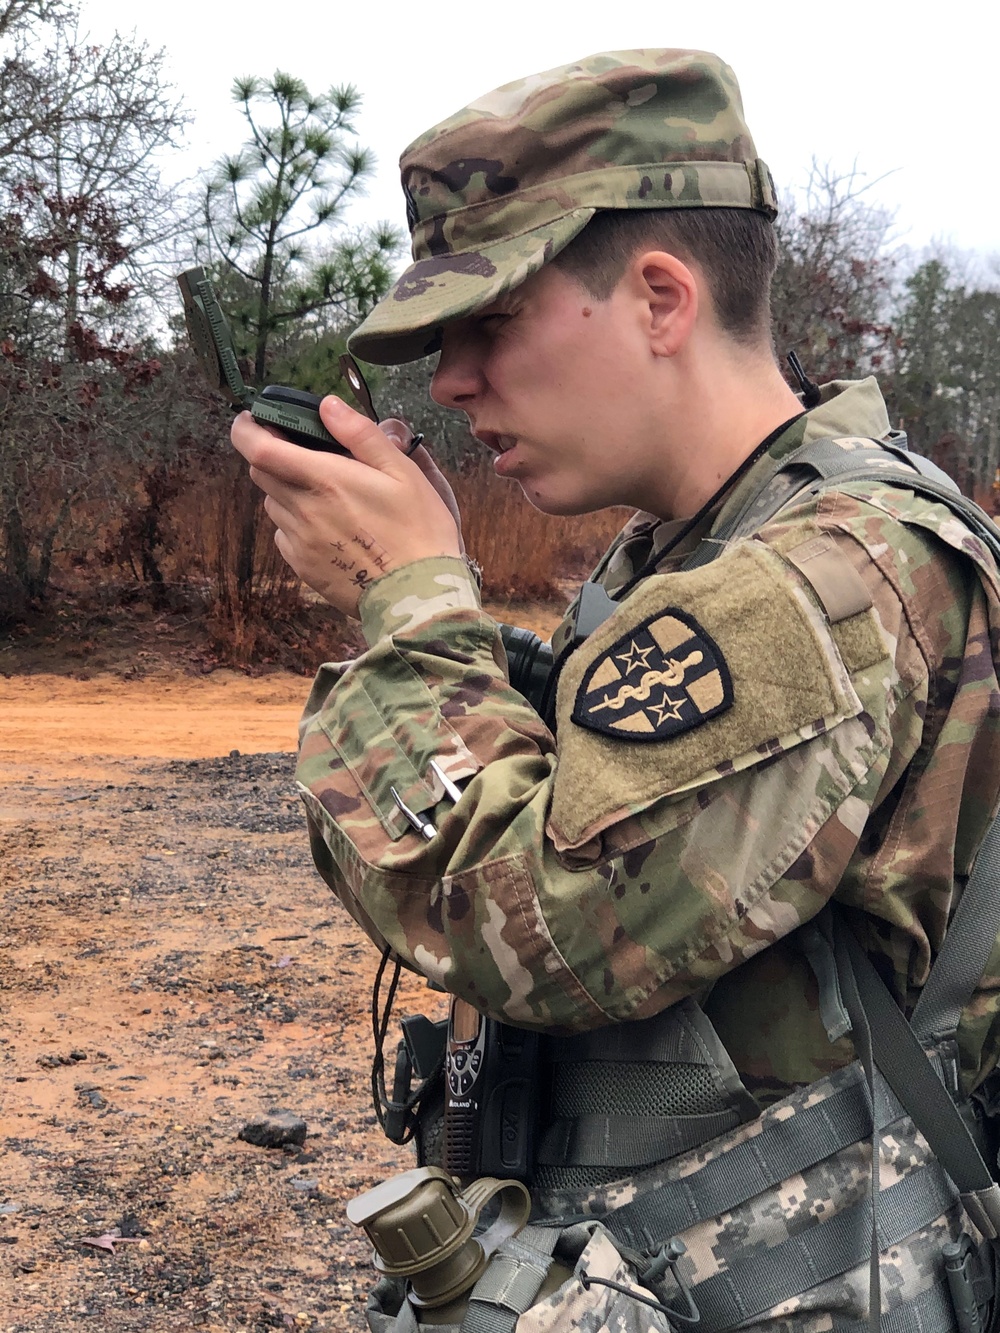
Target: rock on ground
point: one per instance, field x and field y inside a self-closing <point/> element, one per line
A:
<point x="275" y="1129"/>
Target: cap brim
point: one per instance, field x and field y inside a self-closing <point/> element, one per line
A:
<point x="407" y="322"/>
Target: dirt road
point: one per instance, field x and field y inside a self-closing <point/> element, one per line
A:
<point x="170" y="965"/>
<point x="165" y="716"/>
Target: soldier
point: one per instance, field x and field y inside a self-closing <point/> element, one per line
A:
<point x="772" y="729"/>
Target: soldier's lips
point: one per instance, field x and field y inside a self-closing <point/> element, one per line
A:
<point x="504" y="447"/>
<point x="505" y="464"/>
<point x="494" y="440"/>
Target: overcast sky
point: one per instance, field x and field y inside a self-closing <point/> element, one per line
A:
<point x="903" y="88"/>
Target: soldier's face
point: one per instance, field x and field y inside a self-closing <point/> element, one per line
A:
<point x="550" y="379"/>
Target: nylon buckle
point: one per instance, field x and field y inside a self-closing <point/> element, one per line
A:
<point x="657" y="1264"/>
<point x="665" y="1260"/>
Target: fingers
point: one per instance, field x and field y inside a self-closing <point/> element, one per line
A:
<point x="402" y="436"/>
<point x="431" y="473"/>
<point x="398" y="432"/>
<point x="281" y="493"/>
<point x="426" y="464"/>
<point x="269" y="454"/>
<point x="281" y="515"/>
<point x="369" y="443"/>
<point x="378" y="446"/>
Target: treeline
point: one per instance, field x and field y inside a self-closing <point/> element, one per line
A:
<point x="114" y="463"/>
<point x="114" y="471"/>
<point x="851" y="304"/>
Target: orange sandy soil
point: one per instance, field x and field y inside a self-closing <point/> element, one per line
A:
<point x="170" y="965"/>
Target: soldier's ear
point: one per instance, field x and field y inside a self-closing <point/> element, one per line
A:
<point x="668" y="293"/>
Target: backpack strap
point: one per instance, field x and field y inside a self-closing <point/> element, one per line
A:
<point x="966" y="949"/>
<point x="903" y="1063"/>
<point x="885" y="1041"/>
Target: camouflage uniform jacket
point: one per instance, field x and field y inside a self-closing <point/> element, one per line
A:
<point x="607" y="875"/>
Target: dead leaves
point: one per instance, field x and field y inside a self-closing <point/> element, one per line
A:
<point x="108" y="1241"/>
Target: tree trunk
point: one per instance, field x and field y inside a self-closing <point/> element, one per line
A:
<point x="247" y="517"/>
<point x="32" y="576"/>
<point x="48" y="542"/>
<point x="18" y="556"/>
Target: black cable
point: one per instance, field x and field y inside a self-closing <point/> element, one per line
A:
<point x="587" y="1280"/>
<point x="659" y="556"/>
<point x="380" y="1026"/>
<point x="382" y="1102"/>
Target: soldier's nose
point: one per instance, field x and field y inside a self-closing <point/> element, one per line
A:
<point x="457" y="378"/>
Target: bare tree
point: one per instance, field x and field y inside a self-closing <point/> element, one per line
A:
<point x="24" y="101"/>
<point x="834" y="283"/>
<point x="93" y="158"/>
<point x="78" y="187"/>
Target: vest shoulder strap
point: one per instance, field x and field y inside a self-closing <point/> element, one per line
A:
<point x="828" y="464"/>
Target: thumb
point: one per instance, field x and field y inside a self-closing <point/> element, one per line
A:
<point x="398" y="432"/>
<point x="407" y="442"/>
<point x="366" y="441"/>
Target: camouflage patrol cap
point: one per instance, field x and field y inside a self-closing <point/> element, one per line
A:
<point x="499" y="188"/>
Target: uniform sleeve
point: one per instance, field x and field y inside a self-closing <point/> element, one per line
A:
<point x="710" y="788"/>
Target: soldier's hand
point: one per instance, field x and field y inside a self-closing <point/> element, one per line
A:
<point x="402" y="436"/>
<point x="344" y="522"/>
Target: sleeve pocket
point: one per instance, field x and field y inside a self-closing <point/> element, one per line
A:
<point x="787" y="684"/>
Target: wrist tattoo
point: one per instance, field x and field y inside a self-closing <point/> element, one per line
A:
<point x="374" y="552"/>
<point x="376" y="558"/>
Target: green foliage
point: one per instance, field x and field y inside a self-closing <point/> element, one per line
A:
<point x="946" y="385"/>
<point x="270" y="212"/>
<point x="292" y="284"/>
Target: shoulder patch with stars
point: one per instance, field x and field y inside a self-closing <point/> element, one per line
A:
<point x="789" y="686"/>
<point x="664" y="677"/>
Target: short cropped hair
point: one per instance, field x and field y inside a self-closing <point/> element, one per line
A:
<point x="735" y="248"/>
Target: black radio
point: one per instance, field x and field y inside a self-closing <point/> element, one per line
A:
<point x="491" y="1096"/>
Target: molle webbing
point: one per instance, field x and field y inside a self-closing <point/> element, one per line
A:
<point x="757" y="1277"/>
<point x="931" y="1311"/>
<point x="758" y="1163"/>
<point x="756" y="1281"/>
